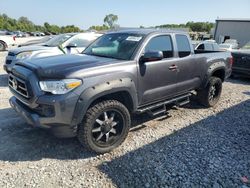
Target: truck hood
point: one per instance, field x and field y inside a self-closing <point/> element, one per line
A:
<point x="30" y="48"/>
<point x="61" y="66"/>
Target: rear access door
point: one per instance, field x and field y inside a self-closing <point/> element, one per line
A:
<point x="187" y="67"/>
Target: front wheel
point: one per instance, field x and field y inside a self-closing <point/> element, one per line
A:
<point x="210" y="95"/>
<point x="105" y="126"/>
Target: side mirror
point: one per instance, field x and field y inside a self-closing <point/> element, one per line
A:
<point x="151" y="56"/>
<point x="71" y="45"/>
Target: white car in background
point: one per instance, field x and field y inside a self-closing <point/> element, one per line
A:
<point x="6" y="41"/>
<point x="207" y="45"/>
<point x="70" y="43"/>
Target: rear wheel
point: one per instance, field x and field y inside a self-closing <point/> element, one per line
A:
<point x="105" y="126"/>
<point x="210" y="95"/>
<point x="2" y="46"/>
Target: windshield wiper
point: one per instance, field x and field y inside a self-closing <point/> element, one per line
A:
<point x="106" y="56"/>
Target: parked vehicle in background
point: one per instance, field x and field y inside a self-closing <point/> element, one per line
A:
<point x="234" y="44"/>
<point x="241" y="64"/>
<point x="3" y="32"/>
<point x="70" y="43"/>
<point x="228" y="47"/>
<point x="6" y="41"/>
<point x="93" y="95"/>
<point x="37" y="34"/>
<point x="39" y="42"/>
<point x="207" y="46"/>
<point x="231" y="41"/>
<point x="19" y="34"/>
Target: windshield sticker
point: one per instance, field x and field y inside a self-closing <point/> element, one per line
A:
<point x="133" y="38"/>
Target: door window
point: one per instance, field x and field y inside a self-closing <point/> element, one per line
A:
<point x="216" y="47"/>
<point x="201" y="47"/>
<point x="161" y="43"/>
<point x="183" y="45"/>
<point x="208" y="47"/>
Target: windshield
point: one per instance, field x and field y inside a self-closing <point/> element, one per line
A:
<point x="58" y="40"/>
<point x="115" y="45"/>
<point x="246" y="46"/>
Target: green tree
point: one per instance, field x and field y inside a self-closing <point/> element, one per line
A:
<point x="99" y="27"/>
<point x="24" y="24"/>
<point x="47" y="26"/>
<point x="110" y="20"/>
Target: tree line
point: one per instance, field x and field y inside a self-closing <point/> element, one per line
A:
<point x="24" y="24"/>
<point x="109" y="22"/>
<point x="193" y="26"/>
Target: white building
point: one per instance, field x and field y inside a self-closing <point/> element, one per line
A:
<point x="238" y="29"/>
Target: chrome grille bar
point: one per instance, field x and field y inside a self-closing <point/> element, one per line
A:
<point x="18" y="86"/>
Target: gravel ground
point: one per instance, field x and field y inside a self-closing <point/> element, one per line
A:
<point x="191" y="147"/>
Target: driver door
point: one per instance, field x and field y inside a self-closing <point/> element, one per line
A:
<point x="157" y="79"/>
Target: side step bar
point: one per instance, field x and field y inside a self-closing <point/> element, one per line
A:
<point x="160" y="107"/>
<point x="157" y="111"/>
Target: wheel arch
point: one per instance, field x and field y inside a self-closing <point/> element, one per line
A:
<point x="217" y="69"/>
<point x="220" y="73"/>
<point x="122" y="90"/>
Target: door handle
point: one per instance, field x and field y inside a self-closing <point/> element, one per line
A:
<point x="173" y="67"/>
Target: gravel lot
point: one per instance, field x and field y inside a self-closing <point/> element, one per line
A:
<point x="191" y="147"/>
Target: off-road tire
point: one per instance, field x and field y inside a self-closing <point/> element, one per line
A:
<point x="203" y="95"/>
<point x="85" y="135"/>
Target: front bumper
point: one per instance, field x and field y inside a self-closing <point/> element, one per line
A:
<point x="52" y="112"/>
<point x="30" y="117"/>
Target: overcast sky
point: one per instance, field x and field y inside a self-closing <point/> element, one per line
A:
<point x="131" y="13"/>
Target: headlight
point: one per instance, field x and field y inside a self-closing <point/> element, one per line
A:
<point x="60" y="86"/>
<point x="23" y="55"/>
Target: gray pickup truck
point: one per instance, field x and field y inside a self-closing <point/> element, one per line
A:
<point x="92" y="95"/>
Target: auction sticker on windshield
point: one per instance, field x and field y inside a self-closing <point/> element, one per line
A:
<point x="133" y="38"/>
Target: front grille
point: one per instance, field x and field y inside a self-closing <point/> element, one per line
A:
<point x="8" y="61"/>
<point x="19" y="86"/>
<point x="11" y="54"/>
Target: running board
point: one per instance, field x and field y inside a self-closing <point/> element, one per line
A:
<point x="158" y="108"/>
<point x="184" y="102"/>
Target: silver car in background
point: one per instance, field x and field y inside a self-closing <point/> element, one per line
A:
<point x="70" y="43"/>
<point x="228" y="47"/>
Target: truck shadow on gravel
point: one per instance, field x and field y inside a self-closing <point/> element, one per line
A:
<point x="3" y="80"/>
<point x="20" y="142"/>
<point x="213" y="152"/>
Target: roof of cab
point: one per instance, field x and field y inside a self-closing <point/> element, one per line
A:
<point x="146" y="31"/>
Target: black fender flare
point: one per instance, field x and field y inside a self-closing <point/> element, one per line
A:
<point x="220" y="65"/>
<point x="89" y="95"/>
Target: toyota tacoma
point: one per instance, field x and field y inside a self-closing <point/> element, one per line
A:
<point x="93" y="95"/>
